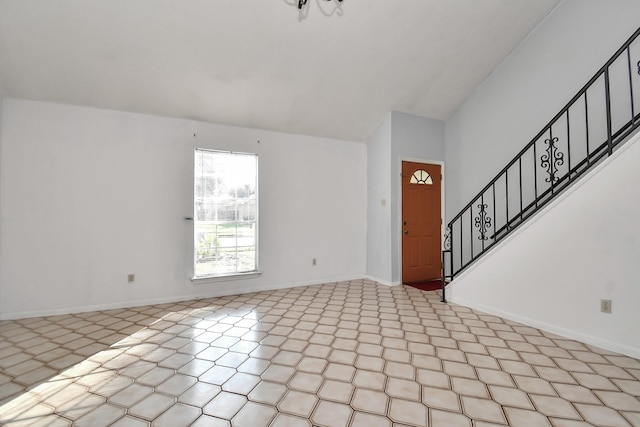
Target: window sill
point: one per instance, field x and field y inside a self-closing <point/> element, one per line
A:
<point x="224" y="277"/>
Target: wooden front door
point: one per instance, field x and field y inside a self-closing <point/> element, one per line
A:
<point x="421" y="222"/>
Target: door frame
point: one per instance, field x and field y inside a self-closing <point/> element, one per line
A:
<point x="399" y="207"/>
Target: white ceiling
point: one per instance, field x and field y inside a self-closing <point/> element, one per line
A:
<point x="255" y="63"/>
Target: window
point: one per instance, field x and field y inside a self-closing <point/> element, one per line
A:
<point x="421" y="177"/>
<point x="225" y="219"/>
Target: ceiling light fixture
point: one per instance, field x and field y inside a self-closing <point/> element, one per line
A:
<point x="305" y="11"/>
<point x="301" y="3"/>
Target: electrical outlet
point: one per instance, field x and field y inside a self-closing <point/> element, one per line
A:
<point x="314" y="262"/>
<point x="131" y="278"/>
<point x="605" y="305"/>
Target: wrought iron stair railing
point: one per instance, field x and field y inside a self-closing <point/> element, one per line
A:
<point x="596" y="121"/>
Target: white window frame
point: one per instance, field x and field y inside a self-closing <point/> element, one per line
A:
<point x="225" y="275"/>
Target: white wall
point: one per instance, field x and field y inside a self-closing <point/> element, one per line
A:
<point x="529" y="88"/>
<point x="554" y="272"/>
<point x="585" y="247"/>
<point x="1" y="120"/>
<point x="379" y="203"/>
<point x="400" y="137"/>
<point x="88" y="196"/>
<point x="417" y="139"/>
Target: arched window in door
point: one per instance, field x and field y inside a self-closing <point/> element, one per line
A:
<point x="421" y="177"/>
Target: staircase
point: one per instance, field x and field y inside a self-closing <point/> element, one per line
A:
<point x="595" y="122"/>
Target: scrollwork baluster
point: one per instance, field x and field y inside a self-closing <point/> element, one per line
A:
<point x="552" y="160"/>
<point x="483" y="222"/>
<point x="447" y="239"/>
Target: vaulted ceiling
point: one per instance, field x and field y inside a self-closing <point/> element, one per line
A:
<point x="332" y="71"/>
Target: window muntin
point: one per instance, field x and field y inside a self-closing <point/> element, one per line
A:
<point x="225" y="213"/>
<point x="421" y="177"/>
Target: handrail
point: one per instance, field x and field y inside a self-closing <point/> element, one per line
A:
<point x="540" y="170"/>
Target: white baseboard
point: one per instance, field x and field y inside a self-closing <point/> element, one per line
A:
<point x="382" y="282"/>
<point x="548" y="327"/>
<point x="171" y="299"/>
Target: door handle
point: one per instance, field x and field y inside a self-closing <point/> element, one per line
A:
<point x="406" y="231"/>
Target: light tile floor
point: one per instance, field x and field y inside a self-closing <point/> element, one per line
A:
<point x="348" y="354"/>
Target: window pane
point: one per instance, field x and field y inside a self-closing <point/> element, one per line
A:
<point x="225" y="194"/>
<point x="421" y="177"/>
<point x="224" y="210"/>
<point x="247" y="210"/>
